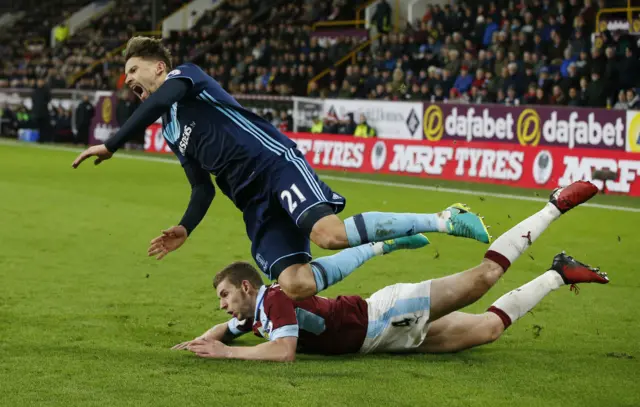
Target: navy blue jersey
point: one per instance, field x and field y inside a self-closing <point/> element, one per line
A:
<point x="210" y="127"/>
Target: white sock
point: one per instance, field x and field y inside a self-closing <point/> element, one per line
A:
<point x="510" y="245"/>
<point x="513" y="305"/>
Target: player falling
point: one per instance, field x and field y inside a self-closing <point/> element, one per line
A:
<point x="283" y="202"/>
<point x="419" y="318"/>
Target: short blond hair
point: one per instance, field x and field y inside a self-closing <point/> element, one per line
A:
<point x="147" y="48"/>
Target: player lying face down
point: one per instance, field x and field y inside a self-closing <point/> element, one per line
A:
<point x="422" y="317"/>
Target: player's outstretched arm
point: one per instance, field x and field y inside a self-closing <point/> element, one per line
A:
<point x="219" y="332"/>
<point x="280" y="350"/>
<point x="148" y="112"/>
<point x="202" y="194"/>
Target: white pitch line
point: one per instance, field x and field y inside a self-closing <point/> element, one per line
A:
<point x="339" y="178"/>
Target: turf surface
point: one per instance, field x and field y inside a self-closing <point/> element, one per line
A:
<point x="87" y="319"/>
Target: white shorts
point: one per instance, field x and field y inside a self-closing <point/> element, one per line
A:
<point x="398" y="318"/>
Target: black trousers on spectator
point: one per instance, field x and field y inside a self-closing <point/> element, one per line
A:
<point x="44" y="127"/>
<point x="82" y="136"/>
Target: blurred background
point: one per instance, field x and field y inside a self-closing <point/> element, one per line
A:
<point x="61" y="73"/>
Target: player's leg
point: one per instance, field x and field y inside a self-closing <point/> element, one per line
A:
<point x="301" y="281"/>
<point x="331" y="232"/>
<point x="282" y="251"/>
<point x="454" y="292"/>
<point x="312" y="205"/>
<point x="459" y="331"/>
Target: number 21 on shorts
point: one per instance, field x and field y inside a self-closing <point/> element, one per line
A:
<point x="292" y="200"/>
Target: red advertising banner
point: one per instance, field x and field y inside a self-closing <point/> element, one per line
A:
<point x="483" y="162"/>
<point x="154" y="142"/>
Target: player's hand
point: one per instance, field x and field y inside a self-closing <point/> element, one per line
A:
<point x="184" y="345"/>
<point x="170" y="240"/>
<point x="209" y="349"/>
<point x="100" y="152"/>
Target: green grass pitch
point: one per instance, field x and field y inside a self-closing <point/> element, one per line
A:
<point x="86" y="319"/>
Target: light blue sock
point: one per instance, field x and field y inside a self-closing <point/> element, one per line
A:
<point x="327" y="271"/>
<point x="378" y="226"/>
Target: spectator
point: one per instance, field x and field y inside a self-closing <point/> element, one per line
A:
<point x="578" y="44"/>
<point x="574" y="98"/>
<point x="530" y="97"/>
<point x="478" y="95"/>
<point x="348" y="126"/>
<point x="628" y="70"/>
<point x="511" y="98"/>
<point x="556" y="51"/>
<point x="479" y="80"/>
<point x="286" y="122"/>
<point x="583" y="93"/>
<point x="61" y="121"/>
<point x="490" y="28"/>
<point x="633" y="100"/>
<point x="40" y="99"/>
<point x="514" y="79"/>
<point x="345" y="90"/>
<point x="464" y="80"/>
<point x="529" y="75"/>
<point x="447" y="80"/>
<point x="557" y="96"/>
<point x="598" y="62"/>
<point x="541" y="97"/>
<point x="571" y="80"/>
<point x="621" y="104"/>
<point x="597" y="92"/>
<point x="334" y="92"/>
<point x="382" y="17"/>
<point x="317" y="126"/>
<point x="566" y="62"/>
<point x="438" y="95"/>
<point x="313" y="90"/>
<point x="363" y="129"/>
<point x="455" y="96"/>
<point x="425" y="92"/>
<point x="125" y="107"/>
<point x="84" y="115"/>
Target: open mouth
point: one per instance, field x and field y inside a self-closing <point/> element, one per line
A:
<point x="139" y="91"/>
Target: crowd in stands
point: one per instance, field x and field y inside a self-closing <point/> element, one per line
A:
<point x="27" y="55"/>
<point x="509" y="52"/>
<point x="513" y="53"/>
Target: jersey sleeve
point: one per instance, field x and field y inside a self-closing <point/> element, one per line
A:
<point x="239" y="328"/>
<point x="190" y="73"/>
<point x="282" y="316"/>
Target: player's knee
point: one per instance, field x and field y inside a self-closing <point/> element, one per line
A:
<point x="493" y="331"/>
<point x="295" y="284"/>
<point x="329" y="233"/>
<point x="489" y="274"/>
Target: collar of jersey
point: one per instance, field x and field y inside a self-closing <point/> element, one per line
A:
<point x="261" y="292"/>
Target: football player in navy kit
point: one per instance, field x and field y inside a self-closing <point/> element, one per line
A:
<point x="284" y="204"/>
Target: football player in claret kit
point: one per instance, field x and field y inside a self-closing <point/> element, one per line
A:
<point x="284" y="203"/>
<point x="401" y="318"/>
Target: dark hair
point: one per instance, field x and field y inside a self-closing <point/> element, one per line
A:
<point x="147" y="48"/>
<point x="236" y="273"/>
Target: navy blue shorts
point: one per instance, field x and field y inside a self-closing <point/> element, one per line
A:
<point x="279" y="197"/>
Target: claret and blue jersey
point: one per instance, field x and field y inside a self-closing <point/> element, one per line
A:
<point x="322" y="325"/>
